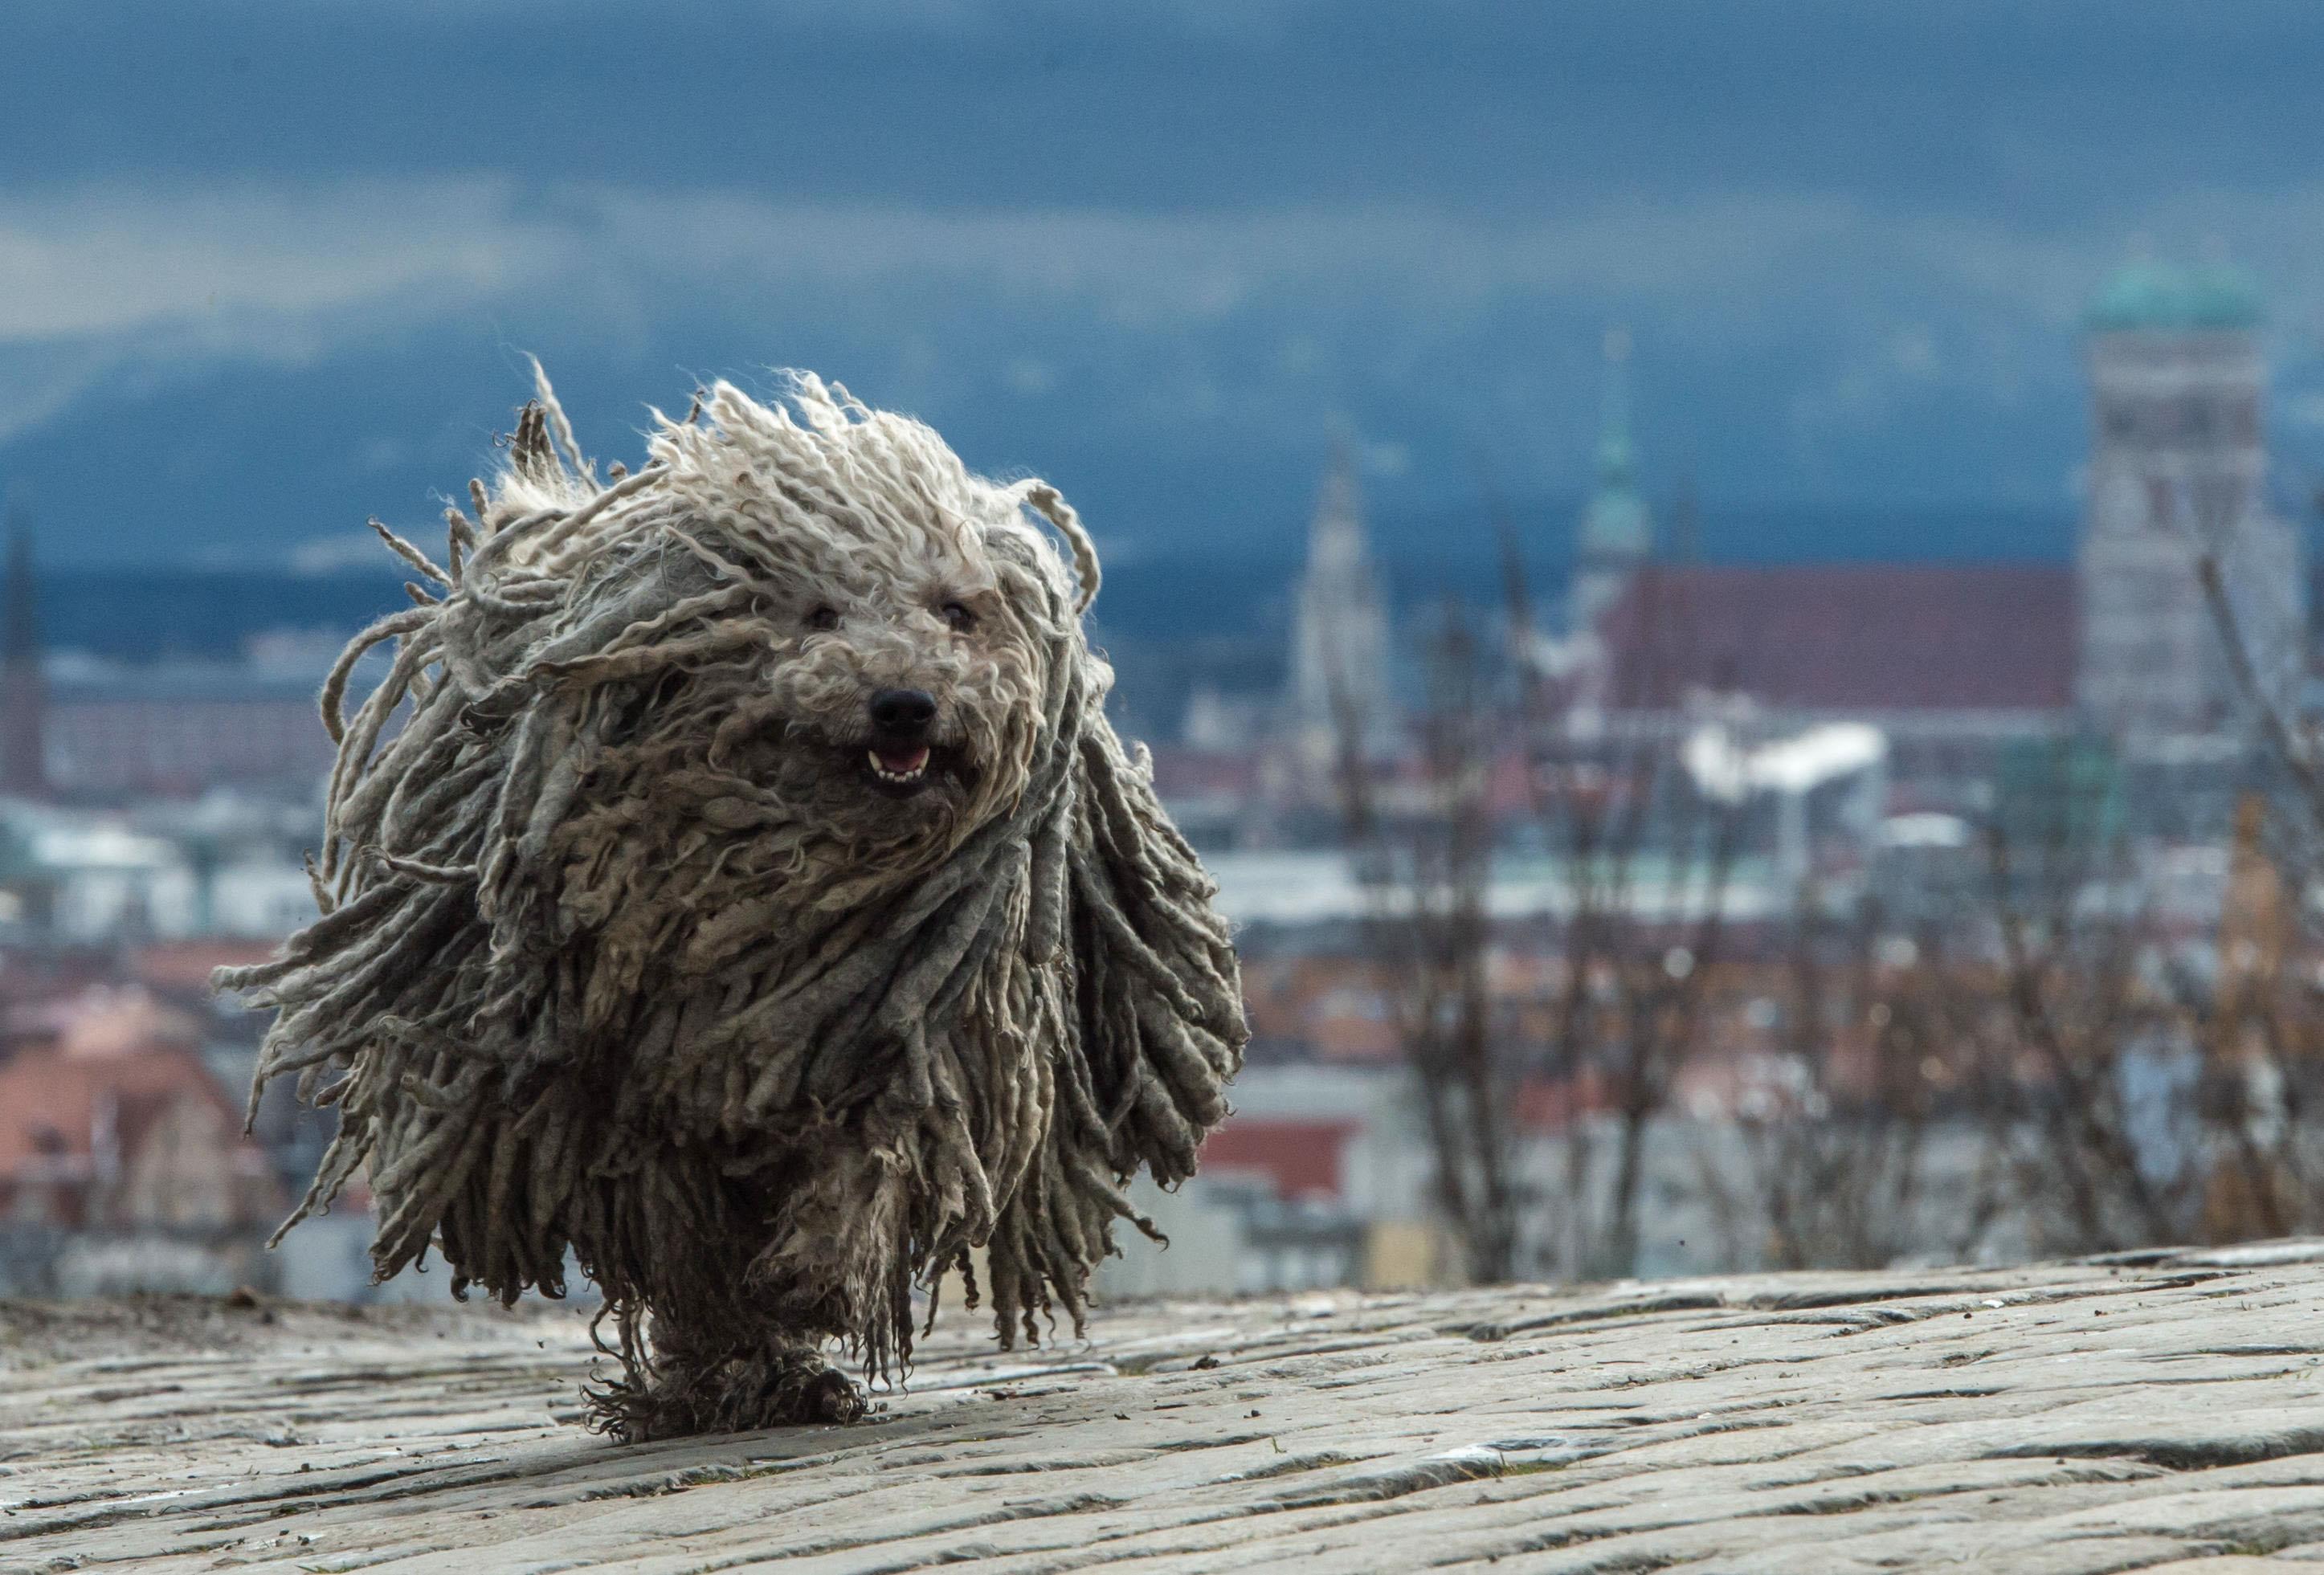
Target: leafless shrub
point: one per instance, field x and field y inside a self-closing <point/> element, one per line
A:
<point x="1834" y="1132"/>
<point x="1424" y="874"/>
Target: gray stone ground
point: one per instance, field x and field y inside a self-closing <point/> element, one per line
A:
<point x="2133" y="1413"/>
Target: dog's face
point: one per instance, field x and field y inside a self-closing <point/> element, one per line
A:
<point x="826" y="656"/>
<point x="899" y="705"/>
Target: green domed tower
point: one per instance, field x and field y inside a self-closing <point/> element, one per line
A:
<point x="2178" y="469"/>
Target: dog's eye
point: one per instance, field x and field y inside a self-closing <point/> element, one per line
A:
<point x="823" y="618"/>
<point x="959" y="617"/>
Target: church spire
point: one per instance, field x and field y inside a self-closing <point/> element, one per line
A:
<point x="1615" y="533"/>
<point x="1615" y="460"/>
<point x="1335" y="535"/>
<point x="1339" y="650"/>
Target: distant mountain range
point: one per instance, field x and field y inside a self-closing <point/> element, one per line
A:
<point x="153" y="612"/>
<point x="1162" y="254"/>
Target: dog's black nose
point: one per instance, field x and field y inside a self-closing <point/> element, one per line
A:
<point x="903" y="709"/>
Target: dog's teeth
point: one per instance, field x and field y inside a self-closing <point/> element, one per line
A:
<point x="880" y="770"/>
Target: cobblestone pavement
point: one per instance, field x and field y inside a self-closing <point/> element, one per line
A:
<point x="2132" y="1413"/>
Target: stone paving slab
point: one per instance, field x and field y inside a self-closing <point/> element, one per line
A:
<point x="2157" y="1411"/>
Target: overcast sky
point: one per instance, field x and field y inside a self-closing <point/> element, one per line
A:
<point x="269" y="267"/>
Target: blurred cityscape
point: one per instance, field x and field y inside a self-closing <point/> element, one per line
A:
<point x="1679" y="915"/>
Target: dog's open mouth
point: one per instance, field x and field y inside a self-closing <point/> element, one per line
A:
<point x="902" y="770"/>
<point x="898" y="765"/>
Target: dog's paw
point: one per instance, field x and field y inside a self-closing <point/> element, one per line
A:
<point x="831" y="1396"/>
<point x="786" y="1386"/>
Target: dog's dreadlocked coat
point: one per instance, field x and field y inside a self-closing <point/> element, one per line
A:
<point x="735" y="880"/>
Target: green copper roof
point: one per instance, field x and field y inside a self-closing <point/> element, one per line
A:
<point x="1616" y="523"/>
<point x="2221" y="296"/>
<point x="2153" y="297"/>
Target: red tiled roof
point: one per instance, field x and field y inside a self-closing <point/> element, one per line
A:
<point x="1301" y="1157"/>
<point x="1842" y="637"/>
<point x="134" y="1138"/>
<point x="1180" y="772"/>
<point x="1333" y="1007"/>
<point x="101" y="1022"/>
<point x="50" y="1097"/>
<point x="1545" y="1104"/>
<point x="184" y="966"/>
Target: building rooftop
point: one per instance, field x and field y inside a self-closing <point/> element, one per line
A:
<point x="2149" y="297"/>
<point x="1316" y="886"/>
<point x="1862" y="638"/>
<point x="71" y="1107"/>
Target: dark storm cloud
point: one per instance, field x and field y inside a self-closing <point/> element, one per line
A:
<point x="290" y="251"/>
<point x="1967" y="104"/>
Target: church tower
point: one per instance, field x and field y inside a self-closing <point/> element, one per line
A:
<point x="2179" y="467"/>
<point x="24" y="753"/>
<point x="1339" y="632"/>
<point x="1615" y="535"/>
